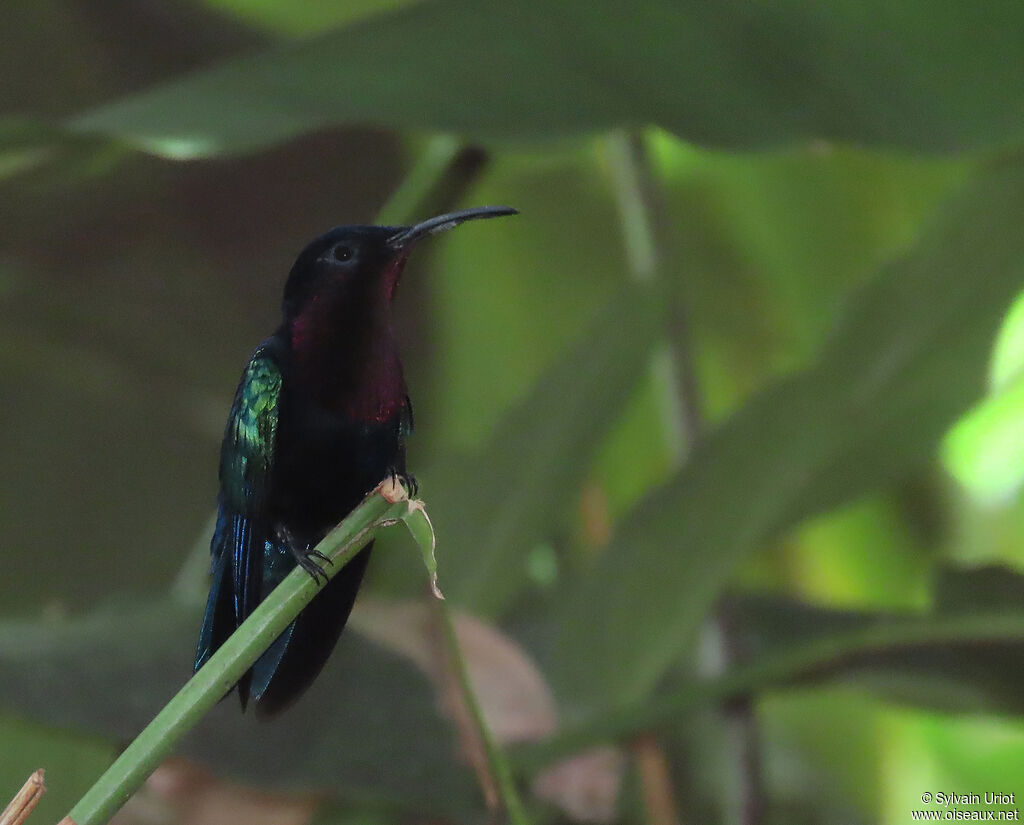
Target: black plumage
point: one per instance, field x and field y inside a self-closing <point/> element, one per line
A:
<point x="320" y="417"/>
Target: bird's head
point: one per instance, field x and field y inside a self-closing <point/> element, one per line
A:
<point x="357" y="268"/>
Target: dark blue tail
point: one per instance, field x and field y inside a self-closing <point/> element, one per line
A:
<point x="288" y="667"/>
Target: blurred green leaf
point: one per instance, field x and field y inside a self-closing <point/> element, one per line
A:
<point x="1008" y="357"/>
<point x="956" y="674"/>
<point x="821" y="750"/>
<point x="965" y="590"/>
<point x="985" y="450"/>
<point x="369" y="729"/>
<point x="71" y="761"/>
<point x="770" y="244"/>
<point x="492" y="508"/>
<point x="303" y="17"/>
<point x="863" y="554"/>
<point x="508" y="301"/>
<point x="762" y="250"/>
<point x="972" y="753"/>
<point x="965" y="655"/>
<point x="25" y="145"/>
<point x="730" y="74"/>
<point x="910" y="354"/>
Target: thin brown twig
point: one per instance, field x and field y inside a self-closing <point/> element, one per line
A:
<point x="655" y="781"/>
<point x="742" y="730"/>
<point x="25" y="800"/>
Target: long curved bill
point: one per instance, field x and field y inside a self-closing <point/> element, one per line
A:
<point x="407" y="235"/>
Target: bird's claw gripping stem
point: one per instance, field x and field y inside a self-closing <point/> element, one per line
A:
<point x="306" y="556"/>
<point x="407" y="480"/>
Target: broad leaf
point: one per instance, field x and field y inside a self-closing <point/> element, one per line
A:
<point x="728" y="74"/>
<point x="303" y="16"/>
<point x="491" y="509"/>
<point x="369" y="729"/>
<point x="957" y="671"/>
<point x="909" y="356"/>
<point x="964" y="656"/>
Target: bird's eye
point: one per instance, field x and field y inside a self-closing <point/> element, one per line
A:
<point x="343" y="253"/>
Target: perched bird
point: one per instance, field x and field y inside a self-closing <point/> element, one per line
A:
<point x="320" y="417"/>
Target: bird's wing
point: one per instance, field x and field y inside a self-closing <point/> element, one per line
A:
<point x="246" y="466"/>
<point x="247" y="453"/>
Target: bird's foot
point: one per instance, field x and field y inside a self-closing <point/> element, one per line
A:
<point x="407" y="480"/>
<point x="306" y="557"/>
<point x="307" y="561"/>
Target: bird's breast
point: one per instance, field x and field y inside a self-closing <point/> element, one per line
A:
<point x="361" y="383"/>
<point x="327" y="462"/>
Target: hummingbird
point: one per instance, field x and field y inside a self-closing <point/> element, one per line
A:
<point x="320" y="417"/>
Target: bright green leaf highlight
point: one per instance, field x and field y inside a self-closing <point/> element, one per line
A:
<point x="304" y="17"/>
<point x="1008" y="356"/>
<point x="985" y="450"/>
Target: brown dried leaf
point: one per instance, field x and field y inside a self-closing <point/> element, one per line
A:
<point x="179" y="792"/>
<point x="514" y="697"/>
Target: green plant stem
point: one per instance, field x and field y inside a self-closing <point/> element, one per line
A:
<point x="633" y="196"/>
<point x="433" y="163"/>
<point x="227" y="665"/>
<point x="803" y="661"/>
<point x="641" y="207"/>
<point x="496" y="759"/>
<point x="430" y="167"/>
<point x="641" y="214"/>
<point x="646" y="237"/>
<point x="498" y="768"/>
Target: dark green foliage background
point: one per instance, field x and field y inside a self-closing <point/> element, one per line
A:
<point x="840" y="190"/>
